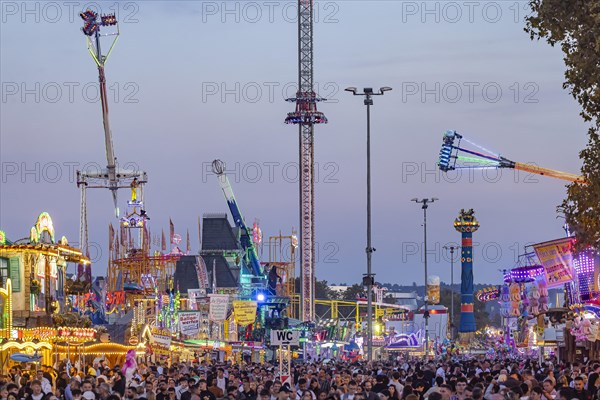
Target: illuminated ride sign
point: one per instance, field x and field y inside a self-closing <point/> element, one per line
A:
<point x="43" y="224"/>
<point x="405" y="340"/>
<point x="488" y="294"/>
<point x="66" y="334"/>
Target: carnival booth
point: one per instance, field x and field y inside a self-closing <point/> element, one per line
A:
<point x="530" y="326"/>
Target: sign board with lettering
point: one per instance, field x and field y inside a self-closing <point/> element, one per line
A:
<point x="219" y="305"/>
<point x="280" y="338"/>
<point x="189" y="323"/>
<point x="161" y="338"/>
<point x="557" y="258"/>
<point x="244" y="312"/>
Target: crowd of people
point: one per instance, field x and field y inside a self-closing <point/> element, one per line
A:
<point x="334" y="380"/>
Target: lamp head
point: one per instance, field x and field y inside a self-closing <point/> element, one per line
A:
<point x="415" y="200"/>
<point x="351" y="89"/>
<point x="385" y="89"/>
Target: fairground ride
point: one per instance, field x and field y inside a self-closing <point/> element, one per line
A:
<point x="252" y="278"/>
<point x="112" y="177"/>
<point x="134" y="271"/>
<point x="269" y="284"/>
<point x="306" y="116"/>
<point x="454" y="155"/>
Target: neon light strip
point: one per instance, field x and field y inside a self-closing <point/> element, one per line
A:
<point x="477" y="154"/>
<point x="90" y="47"/>
<point x="112" y="46"/>
<point x="477" y="160"/>
<point x="482" y="148"/>
<point x="484" y="167"/>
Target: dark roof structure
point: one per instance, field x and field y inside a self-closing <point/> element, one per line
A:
<point x="217" y="234"/>
<point x="220" y="251"/>
<point x="186" y="276"/>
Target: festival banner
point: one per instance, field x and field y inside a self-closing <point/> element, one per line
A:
<point x="202" y="273"/>
<point x="189" y="322"/>
<point x="171" y="231"/>
<point x="557" y="258"/>
<point x="244" y="312"/>
<point x="219" y="303"/>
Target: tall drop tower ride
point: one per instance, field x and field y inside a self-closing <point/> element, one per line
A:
<point x="306" y="116"/>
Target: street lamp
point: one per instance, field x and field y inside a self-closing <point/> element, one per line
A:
<point x="368" y="278"/>
<point x="425" y="204"/>
<point x="451" y="248"/>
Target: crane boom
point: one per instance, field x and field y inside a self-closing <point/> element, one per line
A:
<point x="251" y="255"/>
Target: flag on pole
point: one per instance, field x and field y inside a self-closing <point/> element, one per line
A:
<point x="188" y="244"/>
<point x="111" y="237"/>
<point x="146" y="237"/>
<point x="171" y="231"/>
<point x="214" y="276"/>
<point x="163" y="242"/>
<point x="88" y="268"/>
<point x="123" y="236"/>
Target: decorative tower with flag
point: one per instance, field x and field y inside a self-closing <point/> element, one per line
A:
<point x="466" y="224"/>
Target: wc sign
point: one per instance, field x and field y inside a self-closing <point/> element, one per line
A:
<point x="285" y="338"/>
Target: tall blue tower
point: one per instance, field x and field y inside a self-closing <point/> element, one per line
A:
<point x="466" y="224"/>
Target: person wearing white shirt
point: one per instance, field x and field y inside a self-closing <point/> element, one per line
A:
<point x="222" y="381"/>
<point x="46" y="386"/>
<point x="549" y="393"/>
<point x="396" y="382"/>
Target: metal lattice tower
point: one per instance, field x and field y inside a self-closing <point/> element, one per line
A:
<point x="306" y="116"/>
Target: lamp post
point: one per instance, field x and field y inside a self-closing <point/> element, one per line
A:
<point x="451" y="289"/>
<point x="425" y="204"/>
<point x="368" y="279"/>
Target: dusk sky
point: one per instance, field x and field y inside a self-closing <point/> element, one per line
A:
<point x="193" y="81"/>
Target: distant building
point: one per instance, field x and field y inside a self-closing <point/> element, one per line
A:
<point x="406" y="299"/>
<point x="338" y="288"/>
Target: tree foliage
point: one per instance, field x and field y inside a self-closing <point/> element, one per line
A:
<point x="389" y="299"/>
<point x="323" y="290"/>
<point x="582" y="205"/>
<point x="575" y="26"/>
<point x="353" y="292"/>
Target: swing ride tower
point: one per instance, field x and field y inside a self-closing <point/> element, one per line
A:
<point x="112" y="177"/>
